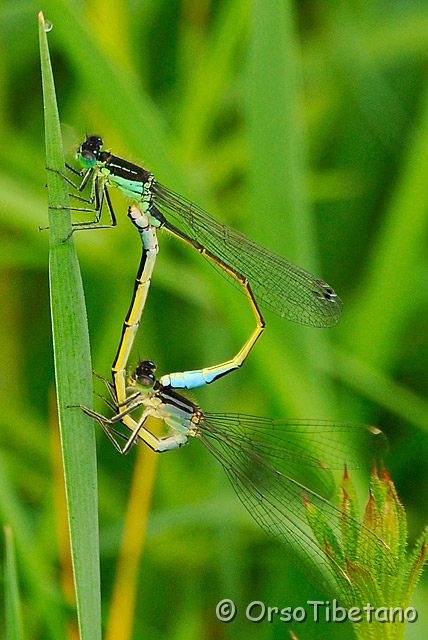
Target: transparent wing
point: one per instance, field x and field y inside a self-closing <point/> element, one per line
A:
<point x="287" y="290"/>
<point x="274" y="469"/>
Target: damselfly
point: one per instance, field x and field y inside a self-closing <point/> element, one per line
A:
<point x="280" y="469"/>
<point x="287" y="290"/>
<point x="190" y="379"/>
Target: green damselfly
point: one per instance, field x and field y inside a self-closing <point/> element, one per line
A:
<point x="287" y="290"/>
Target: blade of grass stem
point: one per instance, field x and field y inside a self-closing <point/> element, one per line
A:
<point x="122" y="608"/>
<point x="72" y="371"/>
<point x="278" y="168"/>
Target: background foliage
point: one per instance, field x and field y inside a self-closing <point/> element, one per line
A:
<point x="335" y="180"/>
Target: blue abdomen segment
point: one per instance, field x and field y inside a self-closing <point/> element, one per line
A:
<point x="196" y="378"/>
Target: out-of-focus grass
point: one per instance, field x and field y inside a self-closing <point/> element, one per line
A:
<point x="310" y="140"/>
<point x="13" y="615"/>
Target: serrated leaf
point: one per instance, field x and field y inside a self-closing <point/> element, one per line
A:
<point x="349" y="506"/>
<point x="416" y="564"/>
<point x="323" y="532"/>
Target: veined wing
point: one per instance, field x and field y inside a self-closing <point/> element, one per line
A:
<point x="276" y="477"/>
<point x="286" y="289"/>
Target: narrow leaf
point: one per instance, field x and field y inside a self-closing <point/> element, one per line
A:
<point x="72" y="370"/>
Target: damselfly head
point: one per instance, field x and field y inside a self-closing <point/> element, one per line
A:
<point x="144" y="374"/>
<point x="89" y="151"/>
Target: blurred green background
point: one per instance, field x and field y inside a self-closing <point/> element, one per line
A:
<point x="304" y="126"/>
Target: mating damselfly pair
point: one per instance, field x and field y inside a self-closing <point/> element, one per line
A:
<point x="276" y="467"/>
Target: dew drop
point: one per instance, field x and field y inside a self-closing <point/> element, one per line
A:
<point x="48" y="26"/>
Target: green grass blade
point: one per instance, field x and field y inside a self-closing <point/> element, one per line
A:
<point x="72" y="372"/>
<point x="14" y="629"/>
<point x="35" y="572"/>
<point x="278" y="154"/>
<point x="146" y="127"/>
<point x="394" y="265"/>
<point x="377" y="385"/>
<point x="278" y="171"/>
